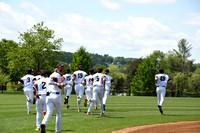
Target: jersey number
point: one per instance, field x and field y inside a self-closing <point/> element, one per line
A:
<point x="80" y="75"/>
<point x="68" y="78"/>
<point x="162" y="78"/>
<point x="43" y="85"/>
<point x="97" y="78"/>
<point x="28" y="79"/>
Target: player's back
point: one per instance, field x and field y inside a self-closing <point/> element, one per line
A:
<point x="55" y="77"/>
<point x="98" y="79"/>
<point x="80" y="75"/>
<point x="42" y="85"/>
<point x="28" y="81"/>
<point x="88" y="80"/>
<point x="68" y="79"/>
<point x="108" y="79"/>
<point x="162" y="80"/>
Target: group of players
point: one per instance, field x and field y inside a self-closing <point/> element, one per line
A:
<point x="47" y="90"/>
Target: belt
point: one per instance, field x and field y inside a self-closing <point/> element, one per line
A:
<point x="160" y="86"/>
<point x="41" y="94"/>
<point x="56" y="92"/>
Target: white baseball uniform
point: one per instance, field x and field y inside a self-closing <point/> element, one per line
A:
<point x="68" y="88"/>
<point x="38" y="77"/>
<point x="89" y="86"/>
<point x="107" y="88"/>
<point x="162" y="80"/>
<point x="68" y="81"/>
<point x="41" y="101"/>
<point x="97" y="90"/>
<point x="54" y="100"/>
<point x="79" y="88"/>
<point x="28" y="89"/>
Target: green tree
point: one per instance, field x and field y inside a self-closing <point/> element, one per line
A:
<point x="6" y="46"/>
<point x="180" y="82"/>
<point x="119" y="60"/>
<point x="143" y="82"/>
<point x="184" y="53"/>
<point x="37" y="50"/>
<point x="119" y="78"/>
<point x="4" y="78"/>
<point x="157" y="58"/>
<point x="194" y="82"/>
<point x="131" y="70"/>
<point x="81" y="57"/>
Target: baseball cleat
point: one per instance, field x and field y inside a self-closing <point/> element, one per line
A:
<point x="78" y="99"/>
<point x="28" y="112"/>
<point x="88" y="113"/>
<point x="28" y="99"/>
<point x="85" y="103"/>
<point x="65" y="101"/>
<point x="160" y="109"/>
<point x="68" y="106"/>
<point x="37" y="129"/>
<point x="102" y="114"/>
<point x="89" y="101"/>
<point x="34" y="100"/>
<point x="79" y="110"/>
<point x="43" y="128"/>
<point x="44" y="113"/>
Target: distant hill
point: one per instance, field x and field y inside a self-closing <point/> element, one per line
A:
<point x="97" y="59"/>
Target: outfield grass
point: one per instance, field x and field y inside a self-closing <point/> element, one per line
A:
<point x="121" y="112"/>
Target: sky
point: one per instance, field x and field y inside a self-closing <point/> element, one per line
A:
<point x="119" y="28"/>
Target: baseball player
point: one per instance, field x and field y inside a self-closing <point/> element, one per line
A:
<point x="108" y="82"/>
<point x="96" y="103"/>
<point x="54" y="99"/>
<point x="27" y="83"/>
<point x="89" y="87"/>
<point x="41" y="87"/>
<point x="67" y="79"/>
<point x="78" y="77"/>
<point x="161" y="81"/>
<point x="98" y="90"/>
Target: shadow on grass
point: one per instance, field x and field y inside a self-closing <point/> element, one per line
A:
<point x="172" y="115"/>
<point x="61" y="131"/>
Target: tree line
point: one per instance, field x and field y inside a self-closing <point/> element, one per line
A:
<point x="38" y="49"/>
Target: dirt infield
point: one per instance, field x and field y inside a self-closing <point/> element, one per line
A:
<point x="177" y="127"/>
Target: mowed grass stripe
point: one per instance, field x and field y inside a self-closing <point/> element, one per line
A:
<point x="121" y="112"/>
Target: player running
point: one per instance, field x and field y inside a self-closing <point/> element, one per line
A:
<point x="41" y="88"/>
<point x="89" y="87"/>
<point x="67" y="79"/>
<point x="27" y="83"/>
<point x="161" y="81"/>
<point x="78" y="77"/>
<point x="54" y="99"/>
<point x="108" y="82"/>
<point x="98" y="90"/>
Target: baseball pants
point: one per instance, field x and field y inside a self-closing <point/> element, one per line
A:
<point x="54" y="100"/>
<point x="40" y="104"/>
<point x="106" y="94"/>
<point x="161" y="91"/>
<point x="79" y="89"/>
<point x="67" y="90"/>
<point x="97" y="92"/>
<point x="29" y="93"/>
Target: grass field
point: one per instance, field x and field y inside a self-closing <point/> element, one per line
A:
<point x="121" y="112"/>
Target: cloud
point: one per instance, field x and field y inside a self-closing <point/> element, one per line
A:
<point x="152" y="1"/>
<point x="194" y="20"/>
<point x="110" y="4"/>
<point x="131" y="37"/>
